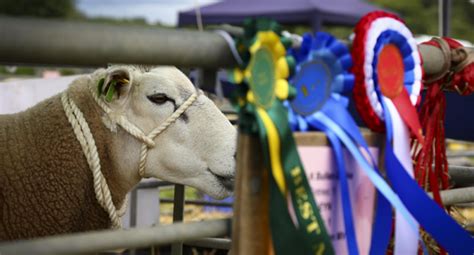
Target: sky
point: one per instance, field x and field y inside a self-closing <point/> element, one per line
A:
<point x="163" y="11"/>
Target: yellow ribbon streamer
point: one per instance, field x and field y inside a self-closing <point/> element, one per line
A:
<point x="274" y="149"/>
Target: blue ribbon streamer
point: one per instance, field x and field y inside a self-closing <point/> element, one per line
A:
<point x="383" y="213"/>
<point x="334" y="119"/>
<point x="432" y="217"/>
<point x="314" y="55"/>
<point x="385" y="195"/>
<point x="344" y="187"/>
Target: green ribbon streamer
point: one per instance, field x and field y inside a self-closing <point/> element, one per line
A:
<point x="311" y="236"/>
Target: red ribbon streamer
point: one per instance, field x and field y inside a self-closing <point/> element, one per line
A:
<point x="432" y="116"/>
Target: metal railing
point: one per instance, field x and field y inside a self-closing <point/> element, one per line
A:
<point x="66" y="43"/>
<point x="459" y="154"/>
<point x="97" y="241"/>
<point x="178" y="215"/>
<point x="194" y="234"/>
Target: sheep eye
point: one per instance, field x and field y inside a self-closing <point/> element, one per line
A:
<point x="159" y="98"/>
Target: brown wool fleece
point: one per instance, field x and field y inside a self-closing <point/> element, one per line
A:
<point x="46" y="185"/>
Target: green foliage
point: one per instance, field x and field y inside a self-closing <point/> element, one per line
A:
<point x="39" y="8"/>
<point x="25" y="70"/>
<point x="421" y="16"/>
<point x="338" y="31"/>
<point x="67" y="71"/>
<point x="296" y="29"/>
<point x="18" y="71"/>
<point x="123" y="21"/>
<point x="189" y="193"/>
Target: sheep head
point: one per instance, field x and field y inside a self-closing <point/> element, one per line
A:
<point x="198" y="149"/>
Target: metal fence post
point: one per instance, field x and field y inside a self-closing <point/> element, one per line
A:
<point x="133" y="212"/>
<point x="178" y="211"/>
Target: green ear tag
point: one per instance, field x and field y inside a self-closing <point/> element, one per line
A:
<point x="100" y="85"/>
<point x="110" y="91"/>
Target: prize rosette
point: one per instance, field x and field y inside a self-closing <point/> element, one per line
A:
<point x="388" y="73"/>
<point x="322" y="74"/>
<point x="322" y="71"/>
<point x="386" y="62"/>
<point x="261" y="89"/>
<point x="322" y="77"/>
<point x="387" y="65"/>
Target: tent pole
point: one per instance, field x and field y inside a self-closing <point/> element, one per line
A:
<point x="444" y="17"/>
<point x="316" y="23"/>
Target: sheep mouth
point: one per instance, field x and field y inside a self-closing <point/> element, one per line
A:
<point x="227" y="181"/>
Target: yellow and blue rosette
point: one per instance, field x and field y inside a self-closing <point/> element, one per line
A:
<point x="262" y="88"/>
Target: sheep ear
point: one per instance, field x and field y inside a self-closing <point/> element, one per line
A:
<point x="115" y="84"/>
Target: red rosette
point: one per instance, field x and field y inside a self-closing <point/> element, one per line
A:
<point x="362" y="103"/>
<point x="363" y="106"/>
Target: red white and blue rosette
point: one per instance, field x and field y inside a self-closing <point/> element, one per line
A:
<point x="388" y="73"/>
<point x="384" y="47"/>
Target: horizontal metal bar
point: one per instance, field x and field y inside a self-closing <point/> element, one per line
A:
<point x="456" y="196"/>
<point x="108" y="240"/>
<point x="461" y="175"/>
<point x="212" y="243"/>
<point x="198" y="202"/>
<point x="449" y="140"/>
<point x="459" y="154"/>
<point x="60" y="42"/>
<point x="153" y="184"/>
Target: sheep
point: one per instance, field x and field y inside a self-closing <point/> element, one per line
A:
<point x="46" y="184"/>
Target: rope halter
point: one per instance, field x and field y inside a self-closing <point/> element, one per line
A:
<point x="136" y="132"/>
<point x="84" y="136"/>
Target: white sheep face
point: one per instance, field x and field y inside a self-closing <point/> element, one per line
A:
<point x="197" y="150"/>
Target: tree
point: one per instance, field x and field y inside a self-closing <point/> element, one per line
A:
<point x="421" y="16"/>
<point x="39" y="8"/>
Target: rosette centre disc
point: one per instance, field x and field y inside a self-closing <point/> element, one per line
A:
<point x="262" y="79"/>
<point x="313" y="85"/>
<point x="390" y="71"/>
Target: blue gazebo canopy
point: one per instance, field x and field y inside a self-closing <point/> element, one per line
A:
<point x="309" y="12"/>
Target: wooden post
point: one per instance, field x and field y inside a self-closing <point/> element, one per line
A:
<point x="250" y="231"/>
<point x="251" y="227"/>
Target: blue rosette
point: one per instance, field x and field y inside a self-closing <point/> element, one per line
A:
<point x="321" y="78"/>
<point x="322" y="71"/>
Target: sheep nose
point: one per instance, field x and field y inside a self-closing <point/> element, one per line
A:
<point x="228" y="182"/>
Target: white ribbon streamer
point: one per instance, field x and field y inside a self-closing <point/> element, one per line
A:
<point x="406" y="238"/>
